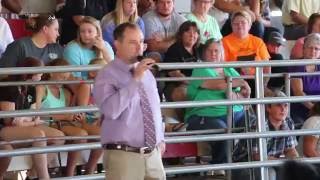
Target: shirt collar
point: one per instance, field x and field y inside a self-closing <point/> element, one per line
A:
<point x="283" y="125"/>
<point x="122" y="65"/>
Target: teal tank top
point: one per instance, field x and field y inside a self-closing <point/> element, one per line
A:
<point x="50" y="101"/>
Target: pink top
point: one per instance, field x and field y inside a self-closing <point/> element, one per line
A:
<point x="297" y="50"/>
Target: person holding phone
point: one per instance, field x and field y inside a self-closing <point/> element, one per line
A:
<point x="88" y="45"/>
<point x="57" y="96"/>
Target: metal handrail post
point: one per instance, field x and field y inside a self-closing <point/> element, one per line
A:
<point x="261" y="121"/>
<point x="229" y="124"/>
<point x="287" y="84"/>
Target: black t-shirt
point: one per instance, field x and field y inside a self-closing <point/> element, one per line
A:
<point x="178" y="54"/>
<point x="94" y="8"/>
<point x="277" y="82"/>
<point x="22" y="96"/>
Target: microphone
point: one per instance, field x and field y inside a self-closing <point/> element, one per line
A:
<point x="154" y="67"/>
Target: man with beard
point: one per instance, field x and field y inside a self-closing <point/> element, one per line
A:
<point x="161" y="25"/>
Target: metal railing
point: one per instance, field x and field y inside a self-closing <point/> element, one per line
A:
<point x="259" y="101"/>
<point x="202" y="168"/>
<point x="169" y="140"/>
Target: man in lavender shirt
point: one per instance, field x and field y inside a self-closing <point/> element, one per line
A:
<point x="116" y="92"/>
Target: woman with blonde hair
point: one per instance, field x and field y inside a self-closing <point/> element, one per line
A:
<point x="88" y="45"/>
<point x="126" y="11"/>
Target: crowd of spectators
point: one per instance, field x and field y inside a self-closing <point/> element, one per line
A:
<point x="214" y="31"/>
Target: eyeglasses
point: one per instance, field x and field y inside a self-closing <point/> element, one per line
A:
<point x="238" y="23"/>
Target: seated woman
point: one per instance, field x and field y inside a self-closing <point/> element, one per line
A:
<point x="56" y="96"/>
<point x="19" y="128"/>
<point x="306" y="85"/>
<point x="242" y="46"/>
<point x="207" y="24"/>
<point x="126" y="11"/>
<point x="183" y="50"/>
<point x="88" y="45"/>
<point x="42" y="44"/>
<point x="91" y="122"/>
<point x="309" y="144"/>
<point x="313" y="27"/>
<point x="214" y="117"/>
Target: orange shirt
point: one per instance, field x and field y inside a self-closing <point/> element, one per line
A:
<point x="249" y="48"/>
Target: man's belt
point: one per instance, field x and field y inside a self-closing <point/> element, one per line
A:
<point x="122" y="147"/>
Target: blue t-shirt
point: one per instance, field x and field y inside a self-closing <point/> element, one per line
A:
<point x="76" y="54"/>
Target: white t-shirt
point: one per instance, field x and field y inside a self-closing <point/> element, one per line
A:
<point x="5" y="34"/>
<point x="34" y="6"/>
<point x="303" y="7"/>
<point x="220" y="16"/>
<point x="311" y="123"/>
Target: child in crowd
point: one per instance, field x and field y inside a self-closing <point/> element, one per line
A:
<point x="91" y="122"/>
<point x="88" y="45"/>
<point x="57" y="96"/>
<point x="19" y="128"/>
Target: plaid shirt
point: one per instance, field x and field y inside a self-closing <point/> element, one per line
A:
<point x="276" y="146"/>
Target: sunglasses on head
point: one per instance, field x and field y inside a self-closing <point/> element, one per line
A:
<point x="51" y="17"/>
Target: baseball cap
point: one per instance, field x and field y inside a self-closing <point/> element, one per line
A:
<point x="276" y="38"/>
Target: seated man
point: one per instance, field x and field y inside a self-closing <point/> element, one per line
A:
<point x="277" y="119"/>
<point x="161" y="26"/>
<point x="295" y="14"/>
<point x="274" y="43"/>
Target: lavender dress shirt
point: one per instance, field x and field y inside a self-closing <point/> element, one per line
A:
<point x="116" y="94"/>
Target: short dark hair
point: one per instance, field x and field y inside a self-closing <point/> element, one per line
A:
<point x="119" y="31"/>
<point x="26" y="62"/>
<point x="294" y="170"/>
<point x="55" y="62"/>
<point x="312" y="20"/>
<point x="58" y="62"/>
<point x="184" y="27"/>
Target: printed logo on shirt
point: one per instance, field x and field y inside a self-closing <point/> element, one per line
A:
<point x="29" y="99"/>
<point x="53" y="55"/>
